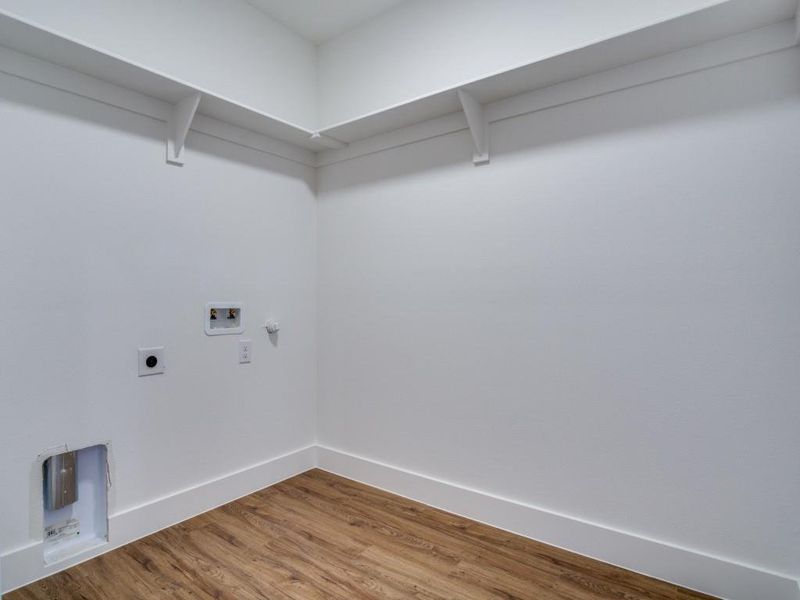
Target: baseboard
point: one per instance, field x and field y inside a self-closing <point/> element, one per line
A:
<point x="685" y="567"/>
<point x="691" y="569"/>
<point x="26" y="564"/>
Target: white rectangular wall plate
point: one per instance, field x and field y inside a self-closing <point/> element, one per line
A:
<point x="245" y="348"/>
<point x="151" y="361"/>
<point x="223" y="318"/>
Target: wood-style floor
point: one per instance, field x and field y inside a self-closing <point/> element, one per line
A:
<point x="321" y="537"/>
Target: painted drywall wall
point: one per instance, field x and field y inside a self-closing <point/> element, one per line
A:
<point x="601" y="323"/>
<point x="229" y="48"/>
<point x="422" y="47"/>
<point x="106" y="249"/>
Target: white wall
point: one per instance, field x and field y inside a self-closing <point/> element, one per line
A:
<point x="105" y="249"/>
<point x="227" y="47"/>
<point x="602" y="323"/>
<point x="422" y="47"/>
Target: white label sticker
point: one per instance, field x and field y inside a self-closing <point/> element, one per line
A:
<point x="68" y="529"/>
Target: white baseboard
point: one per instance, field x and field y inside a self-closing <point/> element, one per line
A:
<point x="685" y="567"/>
<point x="691" y="569"/>
<point x="26" y="564"/>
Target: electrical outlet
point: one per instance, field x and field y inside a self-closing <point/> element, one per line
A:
<point x="244" y="351"/>
<point x="151" y="361"/>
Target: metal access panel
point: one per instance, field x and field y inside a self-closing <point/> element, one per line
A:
<point x="60" y="480"/>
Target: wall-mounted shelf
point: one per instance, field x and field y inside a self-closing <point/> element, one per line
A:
<point x="722" y="20"/>
<point x="719" y="21"/>
<point x="40" y="42"/>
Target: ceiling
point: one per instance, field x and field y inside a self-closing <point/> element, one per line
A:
<point x="321" y="20"/>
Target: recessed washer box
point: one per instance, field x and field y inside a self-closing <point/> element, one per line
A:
<point x="80" y="524"/>
<point x="223" y="318"/>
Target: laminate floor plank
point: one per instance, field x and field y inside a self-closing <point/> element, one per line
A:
<point x="319" y="536"/>
<point x="490" y="544"/>
<point x="531" y="560"/>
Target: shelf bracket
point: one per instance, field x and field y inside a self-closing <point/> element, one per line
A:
<point x="178" y="126"/>
<point x="327" y="141"/>
<point x="478" y="127"/>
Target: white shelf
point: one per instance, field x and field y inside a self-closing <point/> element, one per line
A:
<point x="39" y="42"/>
<point x="725" y="19"/>
<point x="719" y="21"/>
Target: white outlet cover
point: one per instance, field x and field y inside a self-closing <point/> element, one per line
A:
<point x="245" y="351"/>
<point x="157" y="354"/>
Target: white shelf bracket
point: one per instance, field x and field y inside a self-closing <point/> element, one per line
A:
<point x="178" y="127"/>
<point x="327" y="141"/>
<point x="478" y="127"/>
